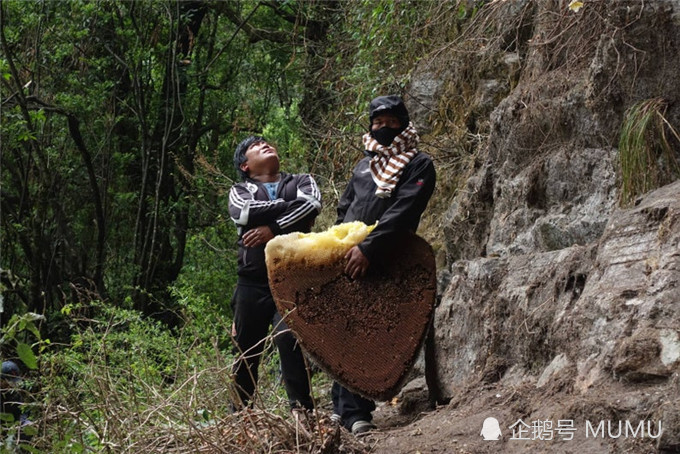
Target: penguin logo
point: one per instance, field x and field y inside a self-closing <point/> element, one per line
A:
<point x="491" y="430"/>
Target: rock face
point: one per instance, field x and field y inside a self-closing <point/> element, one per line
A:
<point x="606" y="311"/>
<point x="548" y="280"/>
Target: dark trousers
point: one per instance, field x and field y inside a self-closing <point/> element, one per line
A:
<point x="254" y="312"/>
<point x="350" y="406"/>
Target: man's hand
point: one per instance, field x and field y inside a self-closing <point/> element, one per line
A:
<point x="357" y="263"/>
<point x="257" y="236"/>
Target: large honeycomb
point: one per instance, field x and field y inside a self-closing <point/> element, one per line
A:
<point x="364" y="332"/>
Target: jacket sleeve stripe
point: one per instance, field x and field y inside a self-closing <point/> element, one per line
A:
<point x="308" y="187"/>
<point x="296" y="215"/>
<point x="238" y="201"/>
<point x="241" y="208"/>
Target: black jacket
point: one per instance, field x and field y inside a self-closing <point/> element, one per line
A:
<point x="398" y="213"/>
<point x="297" y="203"/>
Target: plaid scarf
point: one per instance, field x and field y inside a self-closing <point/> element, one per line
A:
<point x="389" y="162"/>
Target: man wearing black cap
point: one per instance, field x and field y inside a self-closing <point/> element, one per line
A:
<point x="267" y="203"/>
<point x="392" y="184"/>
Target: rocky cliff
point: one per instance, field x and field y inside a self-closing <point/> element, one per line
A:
<point x="559" y="302"/>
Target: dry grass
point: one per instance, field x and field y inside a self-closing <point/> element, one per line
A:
<point x="254" y="431"/>
<point x="92" y="405"/>
<point x="190" y="417"/>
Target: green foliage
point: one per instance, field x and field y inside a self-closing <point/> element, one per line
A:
<point x="19" y="336"/>
<point x="374" y="51"/>
<point x="205" y="285"/>
<point x="646" y="157"/>
<point x="116" y="210"/>
<point x="124" y="376"/>
<point x="125" y="381"/>
<point x="131" y="209"/>
<point x="22" y="333"/>
<point x="148" y="101"/>
<point x="284" y="130"/>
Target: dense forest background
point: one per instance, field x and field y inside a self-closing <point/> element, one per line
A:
<point x="119" y="121"/>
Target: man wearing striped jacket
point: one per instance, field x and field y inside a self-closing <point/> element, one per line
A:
<point x="266" y="203"/>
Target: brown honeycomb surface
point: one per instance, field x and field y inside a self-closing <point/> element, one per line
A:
<point x="365" y="333"/>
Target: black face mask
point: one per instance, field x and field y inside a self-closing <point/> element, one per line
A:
<point x="384" y="136"/>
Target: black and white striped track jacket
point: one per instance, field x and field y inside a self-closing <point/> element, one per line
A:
<point x="297" y="203"/>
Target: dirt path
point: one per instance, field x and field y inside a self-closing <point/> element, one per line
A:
<point x="565" y="424"/>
